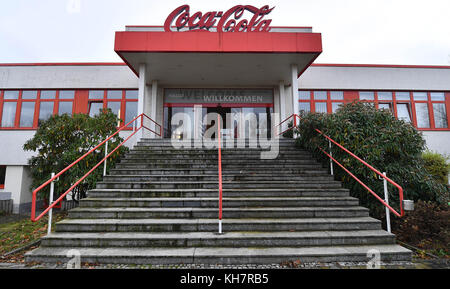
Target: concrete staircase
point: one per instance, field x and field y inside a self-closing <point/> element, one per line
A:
<point x="160" y="206"/>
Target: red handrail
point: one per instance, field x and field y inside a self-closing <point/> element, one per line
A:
<point x="220" y="173"/>
<point x="400" y="189"/>
<point x="33" y="204"/>
<point x="295" y="116"/>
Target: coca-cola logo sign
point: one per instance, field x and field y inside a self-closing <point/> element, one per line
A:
<point x="230" y="21"/>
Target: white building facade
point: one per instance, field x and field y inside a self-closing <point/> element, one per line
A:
<point x="165" y="72"/>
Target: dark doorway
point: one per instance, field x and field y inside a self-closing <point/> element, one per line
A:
<point x="222" y="111"/>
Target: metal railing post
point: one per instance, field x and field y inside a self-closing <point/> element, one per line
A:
<point x="220" y="174"/>
<point x="331" y="161"/>
<point x="50" y="202"/>
<point x="386" y="199"/>
<point x="106" y="153"/>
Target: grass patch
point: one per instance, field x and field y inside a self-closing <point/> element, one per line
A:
<point x="17" y="234"/>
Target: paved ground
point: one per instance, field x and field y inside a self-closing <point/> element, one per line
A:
<point x="416" y="264"/>
<point x="17" y="262"/>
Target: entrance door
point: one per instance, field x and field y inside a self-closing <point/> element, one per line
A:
<point x="224" y="112"/>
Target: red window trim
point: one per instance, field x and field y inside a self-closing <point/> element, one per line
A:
<point x="350" y="95"/>
<point x="79" y="104"/>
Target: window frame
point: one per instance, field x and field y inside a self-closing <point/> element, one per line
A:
<point x="328" y="101"/>
<point x="352" y="95"/>
<point x="80" y="103"/>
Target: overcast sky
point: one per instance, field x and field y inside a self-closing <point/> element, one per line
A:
<point x="353" y="31"/>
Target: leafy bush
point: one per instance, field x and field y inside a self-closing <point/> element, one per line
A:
<point x="289" y="133"/>
<point x="376" y="136"/>
<point x="61" y="140"/>
<point x="436" y="164"/>
<point x="426" y="227"/>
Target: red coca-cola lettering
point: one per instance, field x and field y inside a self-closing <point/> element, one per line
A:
<point x="230" y="21"/>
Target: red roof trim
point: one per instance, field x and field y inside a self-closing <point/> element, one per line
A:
<point x="158" y="26"/>
<point x="66" y="64"/>
<point x="381" y="65"/>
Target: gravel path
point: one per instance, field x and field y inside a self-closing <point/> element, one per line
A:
<point x="416" y="264"/>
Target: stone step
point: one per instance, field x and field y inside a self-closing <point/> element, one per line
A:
<point x="209" y="239"/>
<point x="182" y="212"/>
<point x="214" y="177"/>
<point x="155" y="193"/>
<point x="254" y="172"/>
<point x="211" y="225"/>
<point x="213" y="202"/>
<point x="220" y="255"/>
<point x="214" y="161"/>
<point x="213" y="184"/>
<point x="225" y="166"/>
<point x="214" y="150"/>
<point x="208" y="154"/>
<point x="214" y="144"/>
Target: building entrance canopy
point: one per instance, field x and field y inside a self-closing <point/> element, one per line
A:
<point x="203" y="58"/>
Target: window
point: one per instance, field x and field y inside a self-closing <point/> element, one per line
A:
<point x="27" y="114"/>
<point x="422" y="115"/>
<point x="29" y="94"/>
<point x="116" y="94"/>
<point x="131" y="94"/>
<point x="404" y="112"/>
<point x="425" y="110"/>
<point x="65" y="107"/>
<point x="130" y="112"/>
<point x="321" y="107"/>
<point x="9" y="114"/>
<point x="48" y="94"/>
<point x="336" y="95"/>
<point x="320" y="95"/>
<point x="45" y="110"/>
<point x="319" y="101"/>
<point x="386" y="106"/>
<point x="304" y="107"/>
<point x="439" y="111"/>
<point x="96" y="94"/>
<point x="366" y="95"/>
<point x="2" y="176"/>
<point x="115" y="107"/>
<point x="94" y="108"/>
<point x="67" y="94"/>
<point x="304" y="98"/>
<point x="440" y="115"/>
<point x="335" y="106"/>
<point x="11" y="94"/>
<point x="421" y="109"/>
<point x="23" y="109"/>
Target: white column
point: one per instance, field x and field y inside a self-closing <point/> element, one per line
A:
<point x="294" y="80"/>
<point x="153" y="108"/>
<point x="282" y="100"/>
<point x="141" y="96"/>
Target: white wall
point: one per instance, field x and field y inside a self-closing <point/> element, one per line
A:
<point x="75" y="76"/>
<point x="15" y="185"/>
<point x="11" y="147"/>
<point x="438" y="141"/>
<point x="334" y="77"/>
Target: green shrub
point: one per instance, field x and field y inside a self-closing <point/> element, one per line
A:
<point x="436" y="164"/>
<point x="289" y="133"/>
<point x="61" y="140"/>
<point x="376" y="136"/>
